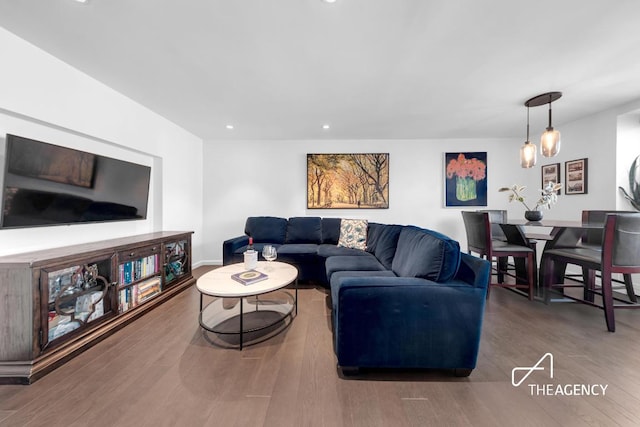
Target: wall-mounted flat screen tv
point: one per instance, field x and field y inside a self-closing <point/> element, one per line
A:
<point x="46" y="184"/>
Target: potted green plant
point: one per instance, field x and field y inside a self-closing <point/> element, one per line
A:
<point x="634" y="185"/>
<point x="547" y="199"/>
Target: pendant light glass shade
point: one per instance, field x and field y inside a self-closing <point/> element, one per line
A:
<point x="528" y="155"/>
<point x="528" y="152"/>
<point x="550" y="139"/>
<point x="550" y="142"/>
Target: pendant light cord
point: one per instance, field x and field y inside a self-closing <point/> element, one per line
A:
<point x="550" y="101"/>
<point x="527" y="124"/>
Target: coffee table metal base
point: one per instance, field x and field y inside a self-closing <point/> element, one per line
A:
<point x="259" y="317"/>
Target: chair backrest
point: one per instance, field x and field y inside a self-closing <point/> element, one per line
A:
<point x="497" y="217"/>
<point x="594" y="236"/>
<point x="478" y="228"/>
<point x="515" y="235"/>
<point x="621" y="247"/>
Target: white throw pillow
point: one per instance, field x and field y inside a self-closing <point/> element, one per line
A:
<point x="353" y="233"/>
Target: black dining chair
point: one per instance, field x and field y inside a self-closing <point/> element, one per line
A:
<point x="592" y="238"/>
<point x="619" y="253"/>
<point x="479" y="240"/>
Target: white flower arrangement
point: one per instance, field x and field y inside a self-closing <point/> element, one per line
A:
<point x="547" y="199"/>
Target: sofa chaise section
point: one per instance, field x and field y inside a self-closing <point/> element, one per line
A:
<point x="425" y="312"/>
<point x="383" y="321"/>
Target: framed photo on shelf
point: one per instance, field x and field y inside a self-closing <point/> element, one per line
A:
<point x="465" y="179"/>
<point x="576" y="176"/>
<point x="551" y="173"/>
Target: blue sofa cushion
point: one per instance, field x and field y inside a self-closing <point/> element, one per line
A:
<point x="382" y="241"/>
<point x="266" y="229"/>
<point x="373" y="234"/>
<point x="426" y="254"/>
<point x="298" y="249"/>
<point x="327" y="250"/>
<point x="352" y="263"/>
<point x="331" y="230"/>
<point x="339" y="275"/>
<point x="304" y="230"/>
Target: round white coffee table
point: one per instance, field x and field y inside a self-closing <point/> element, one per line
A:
<point x="224" y="315"/>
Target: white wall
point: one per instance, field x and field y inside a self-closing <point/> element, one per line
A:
<point x="251" y="178"/>
<point x="628" y="149"/>
<point x="45" y="99"/>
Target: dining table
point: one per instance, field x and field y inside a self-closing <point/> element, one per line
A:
<point x="554" y="233"/>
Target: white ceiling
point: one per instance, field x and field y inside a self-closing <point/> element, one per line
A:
<point x="279" y="69"/>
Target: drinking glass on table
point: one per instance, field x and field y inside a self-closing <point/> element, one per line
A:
<point x="269" y="253"/>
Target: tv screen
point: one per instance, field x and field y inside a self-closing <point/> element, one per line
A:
<point x="46" y="184"/>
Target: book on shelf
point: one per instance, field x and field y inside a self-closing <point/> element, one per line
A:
<point x="148" y="289"/>
<point x="249" y="277"/>
<point x="126" y="300"/>
<point x="131" y="271"/>
<point x="132" y="296"/>
<point x="147" y="284"/>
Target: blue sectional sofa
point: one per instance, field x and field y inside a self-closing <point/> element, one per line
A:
<point x="410" y="300"/>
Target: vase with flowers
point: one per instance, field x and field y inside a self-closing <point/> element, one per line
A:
<point x="548" y="198"/>
<point x="467" y="172"/>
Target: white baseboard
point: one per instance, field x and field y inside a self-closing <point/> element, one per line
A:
<point x="206" y="262"/>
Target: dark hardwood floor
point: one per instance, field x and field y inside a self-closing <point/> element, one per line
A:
<point x="160" y="370"/>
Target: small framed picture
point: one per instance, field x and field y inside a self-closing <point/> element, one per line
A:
<point x="551" y="173"/>
<point x="576" y="176"/>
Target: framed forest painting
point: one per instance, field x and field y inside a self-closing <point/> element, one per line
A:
<point x="348" y="181"/>
<point x="466" y="179"/>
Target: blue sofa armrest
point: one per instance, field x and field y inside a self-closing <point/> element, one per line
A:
<point x="402" y="322"/>
<point x="230" y="246"/>
<point x="474" y="271"/>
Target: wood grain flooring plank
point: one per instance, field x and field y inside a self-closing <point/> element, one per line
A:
<point x="318" y="388"/>
<point x="358" y="403"/>
<point x="5" y="414"/>
<point x="284" y="405"/>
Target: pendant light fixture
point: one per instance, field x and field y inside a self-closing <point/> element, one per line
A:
<point x="528" y="154"/>
<point x="550" y="140"/>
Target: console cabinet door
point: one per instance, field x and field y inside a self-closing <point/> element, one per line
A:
<point x="75" y="297"/>
<point x="177" y="261"/>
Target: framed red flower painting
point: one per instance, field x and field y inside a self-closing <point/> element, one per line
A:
<point x="466" y="179"/>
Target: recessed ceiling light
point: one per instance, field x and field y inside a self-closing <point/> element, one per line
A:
<point x="326" y="127"/>
<point x="329" y="1"/>
<point x="82" y="1"/>
<point x="230" y="127"/>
